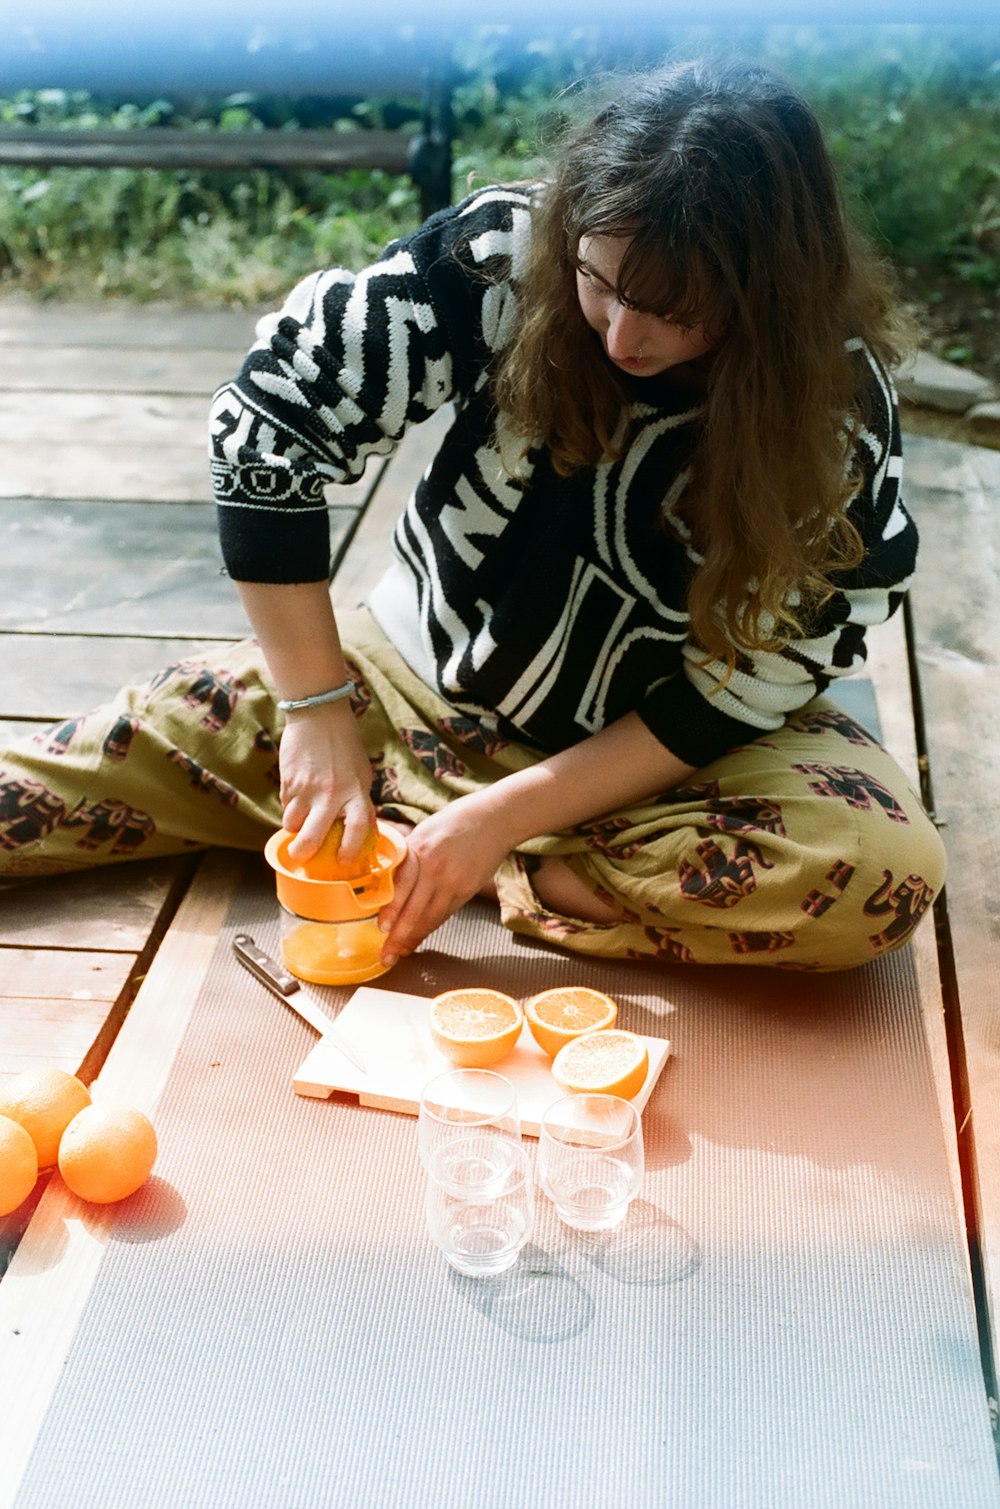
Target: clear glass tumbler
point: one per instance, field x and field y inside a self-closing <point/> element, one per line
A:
<point x="458" y="1107"/>
<point x="480" y="1202"/>
<point x="590" y="1159"/>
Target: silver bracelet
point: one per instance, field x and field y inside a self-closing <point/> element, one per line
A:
<point x="292" y="704"/>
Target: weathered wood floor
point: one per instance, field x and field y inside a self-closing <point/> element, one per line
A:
<point x="112" y="568"/>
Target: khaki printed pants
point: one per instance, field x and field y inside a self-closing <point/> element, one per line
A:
<point x="804" y="849"/>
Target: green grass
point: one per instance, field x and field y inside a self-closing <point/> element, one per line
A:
<point x="912" y="115"/>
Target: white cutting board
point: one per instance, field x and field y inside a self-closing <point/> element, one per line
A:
<point x="393" y="1036"/>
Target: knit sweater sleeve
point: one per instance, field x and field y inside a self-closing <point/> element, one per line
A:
<point x="343" y="369"/>
<point x="699" y="714"/>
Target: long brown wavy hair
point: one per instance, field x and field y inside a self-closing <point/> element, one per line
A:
<point x="719" y="174"/>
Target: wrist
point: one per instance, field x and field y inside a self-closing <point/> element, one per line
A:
<point x="325" y="714"/>
<point x="311" y="700"/>
<point x="505" y="809"/>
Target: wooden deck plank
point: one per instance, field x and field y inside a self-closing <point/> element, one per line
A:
<point x="59" y="974"/>
<point x="113" y="908"/>
<point x="55" y="1004"/>
<point x="70" y="1029"/>
<point x="155" y="326"/>
<point x="120" y="446"/>
<point x="74" y="950"/>
<point x="887" y="666"/>
<point x="956" y="607"/>
<point x="107" y="567"/>
<point x="81" y="671"/>
<point x="47" y="1033"/>
<point x="43" y="1293"/>
<point x="121" y="568"/>
<point x="136" y="419"/>
<point x="99" y="470"/>
<point x="105" y="369"/>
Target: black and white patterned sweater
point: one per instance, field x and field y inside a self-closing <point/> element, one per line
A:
<point x="543" y="606"/>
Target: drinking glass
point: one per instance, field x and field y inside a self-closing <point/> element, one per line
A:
<point x="465" y="1114"/>
<point x="480" y="1204"/>
<point x="590" y="1159"/>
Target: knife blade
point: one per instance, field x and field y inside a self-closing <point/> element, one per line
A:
<point x="289" y="989"/>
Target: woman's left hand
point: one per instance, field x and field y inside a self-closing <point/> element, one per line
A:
<point x="455" y="854"/>
<point x="452" y="856"/>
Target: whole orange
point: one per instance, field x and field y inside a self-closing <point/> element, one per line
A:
<point x="44" y="1101"/>
<point x="18" y="1165"/>
<point x="107" y="1152"/>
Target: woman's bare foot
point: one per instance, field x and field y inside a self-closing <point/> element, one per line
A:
<point x="561" y="890"/>
<point x="557" y="887"/>
<point x="401" y="827"/>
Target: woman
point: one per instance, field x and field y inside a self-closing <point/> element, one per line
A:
<point x="665" y="513"/>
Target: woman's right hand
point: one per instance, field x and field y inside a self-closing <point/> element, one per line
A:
<point x="325" y="774"/>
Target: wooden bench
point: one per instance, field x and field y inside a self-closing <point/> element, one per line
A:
<point x="142" y="936"/>
<point x="343" y="69"/>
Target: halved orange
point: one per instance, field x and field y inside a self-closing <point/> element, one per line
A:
<point x="557" y="1016"/>
<point x="474" y="1026"/>
<point x="612" y="1062"/>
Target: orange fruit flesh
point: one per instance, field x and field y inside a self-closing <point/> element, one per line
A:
<point x="602" y="1063"/>
<point x="557" y="1016"/>
<point x="475" y="1028"/>
<point x="326" y="863"/>
<point x="107" y="1153"/>
<point x="44" y="1101"/>
<point x="18" y="1165"/>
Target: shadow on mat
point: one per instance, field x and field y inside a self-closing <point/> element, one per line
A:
<point x="536" y="1300"/>
<point x="154" y="1211"/>
<point x="648" y="1251"/>
<point x="540" y="1300"/>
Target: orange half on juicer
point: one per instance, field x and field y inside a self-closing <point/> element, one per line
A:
<point x="329" y="928"/>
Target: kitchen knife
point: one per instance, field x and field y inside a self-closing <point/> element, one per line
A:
<point x="294" y="994"/>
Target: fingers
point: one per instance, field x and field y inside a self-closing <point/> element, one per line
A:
<point x="294" y="812"/>
<point x="308" y="836"/>
<point x="420" y="905"/>
<point x="451" y="857"/>
<point x="309" y="814"/>
<point x="359" y="820"/>
<point x="312" y="822"/>
<point x="399" y="942"/>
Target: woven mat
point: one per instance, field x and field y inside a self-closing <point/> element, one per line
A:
<point x="784" y="1321"/>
